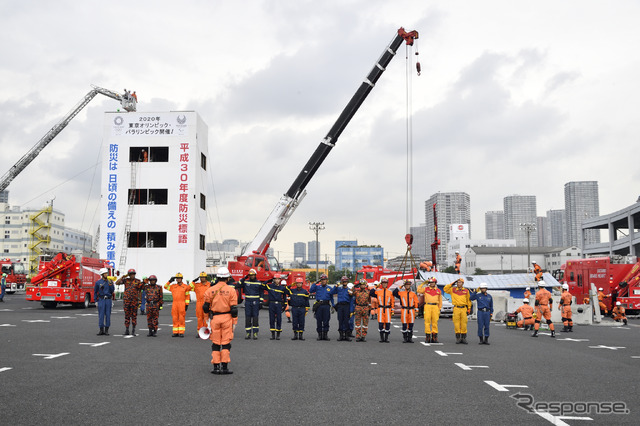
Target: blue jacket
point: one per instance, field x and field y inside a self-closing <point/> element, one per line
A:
<point x="485" y="301"/>
<point x="343" y="294"/>
<point x="299" y="298"/>
<point x="323" y="293"/>
<point x="277" y="293"/>
<point x="103" y="288"/>
<point x="252" y="288"/>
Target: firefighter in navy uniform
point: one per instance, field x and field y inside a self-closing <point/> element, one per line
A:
<point x="153" y="295"/>
<point x="103" y="292"/>
<point x="131" y="298"/>
<point x="252" y="291"/>
<point x="343" y="307"/>
<point x="323" y="312"/>
<point x="299" y="302"/>
<point x="485" y="311"/>
<point x="277" y="292"/>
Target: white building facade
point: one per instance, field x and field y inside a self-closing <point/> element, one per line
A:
<point x="153" y="206"/>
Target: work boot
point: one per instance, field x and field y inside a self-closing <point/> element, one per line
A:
<point x="320" y="336"/>
<point x="126" y="332"/>
<point x="288" y="319"/>
<point x="133" y="331"/>
<point x="363" y="339"/>
<point x="225" y="369"/>
<point x="248" y="336"/>
<point x="325" y="336"/>
<point x="155" y="332"/>
<point x="624" y="321"/>
<point x="350" y="334"/>
<point x="571" y="329"/>
<point x="106" y="331"/>
<point x="386" y="337"/>
<point x="101" y="332"/>
<point x="481" y="340"/>
<point x="564" y="329"/>
<point x="434" y="338"/>
<point x="410" y="337"/>
<point x="347" y="337"/>
<point x="427" y="338"/>
<point x="181" y="334"/>
<point x="295" y="335"/>
<point x="458" y="338"/>
<point x="273" y="335"/>
<point x="404" y="337"/>
<point x="300" y="335"/>
<point x="486" y="340"/>
<point x="535" y="333"/>
<point x="216" y="369"/>
<point x="277" y="335"/>
<point x="463" y="338"/>
<point x="341" y="338"/>
<point x="255" y="335"/>
<point x="553" y="333"/>
<point x="150" y="332"/>
<point x="382" y="337"/>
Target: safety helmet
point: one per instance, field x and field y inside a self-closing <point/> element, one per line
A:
<point x="525" y="300"/>
<point x="565" y="286"/>
<point x="461" y="280"/>
<point x="102" y="271"/>
<point x="278" y="276"/>
<point x="433" y="280"/>
<point x="406" y="282"/>
<point x="376" y="282"/>
<point x="350" y="286"/>
<point x="528" y="288"/>
<point x="324" y="277"/>
<point x="4" y="275"/>
<point x="223" y="273"/>
<point x="384" y="280"/>
<point x="153" y="278"/>
<point x="283" y="282"/>
<point x="344" y="278"/>
<point x="131" y="271"/>
<point x="203" y="274"/>
<point x="533" y="263"/>
<point x="299" y="280"/>
<point x="618" y="303"/>
<point x="484" y="285"/>
<point x="364" y="282"/>
<point x="457" y="252"/>
<point x="600" y="289"/>
<point x="179" y="275"/>
<point x="252" y="272"/>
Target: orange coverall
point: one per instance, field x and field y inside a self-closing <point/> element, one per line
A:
<point x="461" y="306"/>
<point x="538" y="271"/>
<point x="527" y="315"/>
<point x="603" y="307"/>
<point x="432" y="307"/>
<point x="565" y="307"/>
<point x="543" y="310"/>
<point x="458" y="262"/>
<point x="221" y="297"/>
<point x="619" y="313"/>
<point x="180" y="293"/>
<point x="527" y="294"/>
<point x="374" y="304"/>
<point x="199" y="288"/>
<point x="385" y="304"/>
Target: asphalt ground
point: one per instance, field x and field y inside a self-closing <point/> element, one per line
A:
<point x="54" y="370"/>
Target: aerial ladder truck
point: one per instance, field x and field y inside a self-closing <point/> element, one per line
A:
<point x="253" y="255"/>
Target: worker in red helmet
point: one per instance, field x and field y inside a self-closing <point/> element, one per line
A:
<point x="180" y="292"/>
<point x="543" y="309"/>
<point x="431" y="310"/>
<point x="153" y="294"/>
<point x="566" y="299"/>
<point x="618" y="313"/>
<point x="362" y="299"/>
<point x="461" y="299"/>
<point x="131" y="299"/>
<point x="220" y="303"/>
<point x="299" y="302"/>
<point x="199" y="286"/>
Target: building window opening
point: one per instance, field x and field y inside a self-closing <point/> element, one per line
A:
<point x="145" y="154"/>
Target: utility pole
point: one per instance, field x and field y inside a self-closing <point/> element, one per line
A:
<point x="529" y="228"/>
<point x="317" y="227"/>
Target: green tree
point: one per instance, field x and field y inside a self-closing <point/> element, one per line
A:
<point x="449" y="270"/>
<point x="480" y="271"/>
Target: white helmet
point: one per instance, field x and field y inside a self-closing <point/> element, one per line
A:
<point x="223" y="272"/>
<point x="565" y="286"/>
<point x="528" y="288"/>
<point x="484" y="285"/>
<point x="533" y="263"/>
<point x="350" y="286"/>
<point x="541" y="283"/>
<point x="104" y="271"/>
<point x="600" y="289"/>
<point x="283" y="282"/>
<point x="618" y="303"/>
<point x="525" y="300"/>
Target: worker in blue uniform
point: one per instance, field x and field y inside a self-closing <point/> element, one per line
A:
<point x="324" y="301"/>
<point x="352" y="310"/>
<point x="277" y="292"/>
<point x="252" y="291"/>
<point x="343" y="307"/>
<point x="103" y="292"/>
<point x="485" y="311"/>
<point x="299" y="302"/>
<point x="3" y="286"/>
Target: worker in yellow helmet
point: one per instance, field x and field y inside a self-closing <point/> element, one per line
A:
<point x="180" y="292"/>
<point x="199" y="285"/>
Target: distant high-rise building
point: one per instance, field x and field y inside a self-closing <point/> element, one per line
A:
<point x="581" y="202"/>
<point x="541" y="228"/>
<point x="4" y="196"/>
<point x="350" y="256"/>
<point x="300" y="252"/>
<point x="519" y="210"/>
<point x="311" y="252"/>
<point x="421" y="247"/>
<point x="451" y="207"/>
<point x="494" y="225"/>
<point x="556" y="224"/>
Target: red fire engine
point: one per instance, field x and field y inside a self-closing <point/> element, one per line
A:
<point x="372" y="274"/>
<point x="66" y="279"/>
<point x="16" y="274"/>
<point x="619" y="281"/>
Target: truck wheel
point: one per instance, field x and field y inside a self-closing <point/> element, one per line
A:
<point x="9" y="291"/>
<point x="49" y="305"/>
<point x="87" y="301"/>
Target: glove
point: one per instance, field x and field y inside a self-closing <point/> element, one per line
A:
<point x="351" y="314"/>
<point x="333" y="310"/>
<point x="160" y="307"/>
<point x="186" y="308"/>
<point x="172" y="279"/>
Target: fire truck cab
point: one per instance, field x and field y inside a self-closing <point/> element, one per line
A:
<point x="16" y="274"/>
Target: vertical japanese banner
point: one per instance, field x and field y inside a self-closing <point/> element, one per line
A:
<point x="112" y="204"/>
<point x="183" y="196"/>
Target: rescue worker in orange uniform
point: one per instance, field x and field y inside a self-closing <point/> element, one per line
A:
<point x="537" y="270"/>
<point x="131" y="299"/>
<point x="601" y="297"/>
<point x="565" y="307"/>
<point x="199" y="286"/>
<point x="432" y="307"/>
<point x="385" y="307"/>
<point x="461" y="308"/>
<point x="374" y="301"/>
<point x="526" y="310"/>
<point x="527" y="292"/>
<point x="180" y="292"/>
<point x="220" y="303"/>
<point x="543" y="309"/>
<point x="458" y="262"/>
<point x="409" y="309"/>
<point x="362" y="298"/>
<point x="618" y="313"/>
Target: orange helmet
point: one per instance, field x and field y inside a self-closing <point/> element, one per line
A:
<point x="299" y="280"/>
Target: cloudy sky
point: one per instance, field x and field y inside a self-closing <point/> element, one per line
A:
<point x="514" y="98"/>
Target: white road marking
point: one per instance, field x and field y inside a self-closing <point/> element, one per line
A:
<point x="374" y="363"/>
<point x="569" y="339"/>
<point x="613" y="348"/>
<point x="63" y="317"/>
<point x="7" y="325"/>
<point x="2" y="369"/>
<point x="447" y="353"/>
<point x="503" y="388"/>
<point x="36" y="321"/>
<point x="6" y="310"/>
<point x="87" y="315"/>
<point x="431" y="344"/>
<point x="557" y="420"/>
<point x="51" y="356"/>
<point x="95" y="344"/>
<point x="634" y="356"/>
<point x="469" y="367"/>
